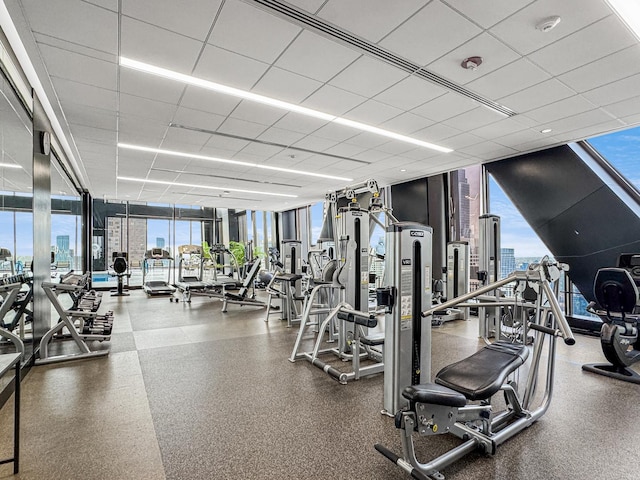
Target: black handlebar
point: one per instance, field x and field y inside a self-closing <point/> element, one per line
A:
<point x="551" y="331"/>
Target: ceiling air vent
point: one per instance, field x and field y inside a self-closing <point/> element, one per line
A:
<point x="306" y="20"/>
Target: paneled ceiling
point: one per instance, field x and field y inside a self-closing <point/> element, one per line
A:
<point x="578" y="80"/>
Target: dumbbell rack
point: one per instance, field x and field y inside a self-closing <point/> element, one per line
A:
<point x="81" y="321"/>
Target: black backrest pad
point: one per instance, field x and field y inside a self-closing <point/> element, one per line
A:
<point x="481" y="375"/>
<point x="615" y="290"/>
<point x="119" y="265"/>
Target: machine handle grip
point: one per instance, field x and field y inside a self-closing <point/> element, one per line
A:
<point x="552" y="331"/>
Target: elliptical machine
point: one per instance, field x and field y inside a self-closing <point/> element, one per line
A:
<point x="616" y="291"/>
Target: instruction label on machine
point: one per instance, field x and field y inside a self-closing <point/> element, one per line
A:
<point x="406" y="297"/>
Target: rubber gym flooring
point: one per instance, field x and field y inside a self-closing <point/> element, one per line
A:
<point x="191" y="393"/>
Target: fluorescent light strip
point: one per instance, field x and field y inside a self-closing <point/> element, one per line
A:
<point x="207" y="187"/>
<point x="10" y="165"/>
<point x="629" y="13"/>
<point x="174" y="153"/>
<point x="217" y="87"/>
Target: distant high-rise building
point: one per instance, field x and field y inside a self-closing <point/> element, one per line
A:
<point x="62" y="246"/>
<point x="160" y="242"/>
<point x="507" y="262"/>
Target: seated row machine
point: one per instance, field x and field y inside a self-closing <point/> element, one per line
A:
<point x="460" y="400"/>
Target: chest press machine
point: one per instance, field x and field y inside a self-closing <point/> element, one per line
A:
<point x="459" y="402"/>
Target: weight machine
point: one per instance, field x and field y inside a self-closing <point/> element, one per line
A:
<point x="349" y="321"/>
<point x="457" y="281"/>
<point x="446" y="405"/>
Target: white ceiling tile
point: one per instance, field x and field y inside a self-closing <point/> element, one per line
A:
<point x="372" y="112"/>
<point x="436" y="132"/>
<point x="519" y="31"/>
<point x="487" y="14"/>
<point x="109" y="4"/>
<point x="75" y="21"/>
<point x="177" y="138"/>
<point x="317" y="144"/>
<point x="54" y="42"/>
<point x="537" y="96"/>
<point x="581" y="121"/>
<point x="154" y="45"/>
<point x="142" y="128"/>
<point x="79" y="68"/>
<point x="284" y="85"/>
<point x="316" y="57"/>
<point x="263" y="151"/>
<point x="345" y="150"/>
<point x="613" y="67"/>
<point x="494" y="53"/>
<point x="310" y="6"/>
<point x="445" y="106"/>
<point x="88" y="95"/>
<point x="561" y="108"/>
<point x="197" y="118"/>
<point x="590" y="128"/>
<point x="281" y="136"/>
<point x="410" y="93"/>
<point x="192" y="18"/>
<point x="518" y="138"/>
<point x="394" y="148"/>
<point x="242" y="128"/>
<point x="143" y="107"/>
<point x="602" y="38"/>
<point x="269" y="36"/>
<point x="632" y="119"/>
<point x="299" y="123"/>
<point x="229" y="68"/>
<point x="334" y="131"/>
<point x="333" y="100"/>
<point x="463" y="140"/>
<point x="207" y="101"/>
<point x="368" y="140"/>
<point x="258" y="113"/>
<point x="367" y="76"/>
<point x="614" y="92"/>
<point x="83" y="115"/>
<point x="430" y="33"/>
<point x="225" y="147"/>
<point x="499" y="128"/>
<point x="99" y="135"/>
<point x="624" y="108"/>
<point x="406" y="123"/>
<point x="150" y="86"/>
<point x="369" y="19"/>
<point x="478" y="117"/>
<point x="509" y="79"/>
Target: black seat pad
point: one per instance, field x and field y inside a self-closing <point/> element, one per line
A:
<point x="481" y="375"/>
<point x="435" y="394"/>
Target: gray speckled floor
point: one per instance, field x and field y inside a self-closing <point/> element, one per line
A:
<point x="190" y="393"/>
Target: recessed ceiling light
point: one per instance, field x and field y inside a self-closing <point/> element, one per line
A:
<point x="629" y="13"/>
<point x="254" y="97"/>
<point x="10" y="165"/>
<point x="546" y="130"/>
<point x="231" y="162"/>
<point x="403" y="169"/>
<point x="207" y="187"/>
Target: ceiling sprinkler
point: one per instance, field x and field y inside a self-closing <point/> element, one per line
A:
<point x="548" y="24"/>
<point x="471" y="63"/>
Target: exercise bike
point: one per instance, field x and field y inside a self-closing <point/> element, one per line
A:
<point x="460" y="400"/>
<point x="616" y="292"/>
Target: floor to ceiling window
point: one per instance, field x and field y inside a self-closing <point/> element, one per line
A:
<point x="622" y="151"/>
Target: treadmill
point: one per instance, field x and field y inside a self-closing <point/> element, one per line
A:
<point x="155" y="286"/>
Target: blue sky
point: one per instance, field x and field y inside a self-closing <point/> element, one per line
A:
<point x="622" y="150"/>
